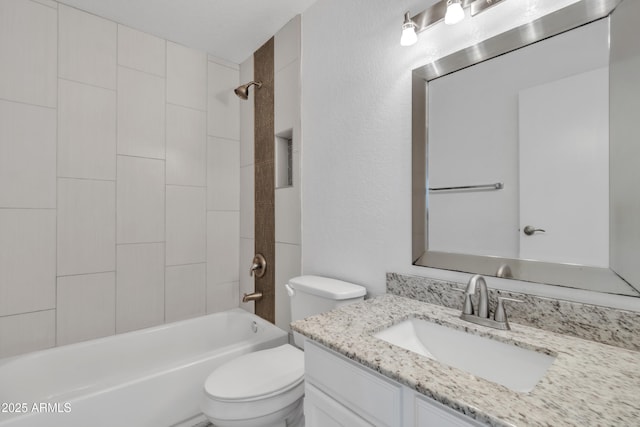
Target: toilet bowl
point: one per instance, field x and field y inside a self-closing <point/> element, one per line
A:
<point x="266" y="388"/>
<point x="260" y="389"/>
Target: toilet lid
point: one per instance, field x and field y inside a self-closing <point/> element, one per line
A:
<point x="257" y="374"/>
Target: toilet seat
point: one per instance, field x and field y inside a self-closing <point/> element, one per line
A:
<point x="255" y="384"/>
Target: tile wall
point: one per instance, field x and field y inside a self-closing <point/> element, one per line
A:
<point x="119" y="178"/>
<point x="287" y="199"/>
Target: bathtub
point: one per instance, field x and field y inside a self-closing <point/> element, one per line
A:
<point x="151" y="377"/>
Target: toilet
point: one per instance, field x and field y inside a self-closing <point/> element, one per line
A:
<point x="266" y="388"/>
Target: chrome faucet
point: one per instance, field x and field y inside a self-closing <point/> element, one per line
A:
<point x="483" y="301"/>
<point x="482" y="317"/>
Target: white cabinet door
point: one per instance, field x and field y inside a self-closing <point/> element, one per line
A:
<point x="429" y="413"/>
<point x="321" y="410"/>
<point x="372" y="396"/>
<point x="342" y="393"/>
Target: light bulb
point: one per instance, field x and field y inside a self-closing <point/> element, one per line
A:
<point x="455" y="13"/>
<point x="409" y="35"/>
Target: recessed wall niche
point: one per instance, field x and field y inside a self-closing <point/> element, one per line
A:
<point x="284" y="159"/>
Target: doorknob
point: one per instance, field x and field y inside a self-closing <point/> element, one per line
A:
<point x="530" y="230"/>
<point x="258" y="266"/>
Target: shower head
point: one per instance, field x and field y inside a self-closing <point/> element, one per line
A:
<point x="243" y="91"/>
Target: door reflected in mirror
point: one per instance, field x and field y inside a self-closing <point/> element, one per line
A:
<point x="535" y="120"/>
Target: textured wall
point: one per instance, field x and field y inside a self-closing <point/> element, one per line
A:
<point x="356" y="115"/>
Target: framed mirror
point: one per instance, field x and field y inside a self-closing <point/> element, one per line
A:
<point x="523" y="152"/>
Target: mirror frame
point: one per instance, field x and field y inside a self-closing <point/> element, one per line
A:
<point x="568" y="275"/>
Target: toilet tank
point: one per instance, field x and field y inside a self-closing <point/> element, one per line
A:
<point x="314" y="295"/>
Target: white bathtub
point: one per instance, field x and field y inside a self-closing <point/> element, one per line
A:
<point x="152" y="377"/>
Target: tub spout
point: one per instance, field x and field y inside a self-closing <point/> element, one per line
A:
<point x="255" y="296"/>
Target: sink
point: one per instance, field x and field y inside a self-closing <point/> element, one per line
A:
<point x="517" y="368"/>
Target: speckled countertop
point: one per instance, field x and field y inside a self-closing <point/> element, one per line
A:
<point x="589" y="384"/>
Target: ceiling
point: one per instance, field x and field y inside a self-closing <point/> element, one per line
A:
<point x="228" y="29"/>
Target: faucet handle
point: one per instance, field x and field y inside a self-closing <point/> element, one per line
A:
<point x="467" y="307"/>
<point x="501" y="315"/>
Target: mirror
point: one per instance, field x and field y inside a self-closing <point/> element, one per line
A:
<point x="523" y="153"/>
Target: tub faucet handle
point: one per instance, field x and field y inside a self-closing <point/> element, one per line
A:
<point x="258" y="266"/>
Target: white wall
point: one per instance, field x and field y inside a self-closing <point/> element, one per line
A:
<point x="116" y="213"/>
<point x="356" y="160"/>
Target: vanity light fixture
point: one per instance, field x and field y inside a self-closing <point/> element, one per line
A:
<point x="454" y="13"/>
<point x="409" y="36"/>
<point x="451" y="11"/>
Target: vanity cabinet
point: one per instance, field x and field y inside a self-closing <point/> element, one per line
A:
<point x="342" y="393"/>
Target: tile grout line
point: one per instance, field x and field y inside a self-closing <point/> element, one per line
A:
<point x="186" y="107"/>
<point x="55" y="323"/>
<point x="128" y="67"/>
<point x="30" y="104"/>
<point x="46" y="5"/>
<point x="86" y="274"/>
<point x="166" y="90"/>
<point x="92" y="85"/>
<point x="115" y="213"/>
<point x="86" y="179"/>
<point x="206" y="194"/>
<point x="43" y="310"/>
<point x="140" y="157"/>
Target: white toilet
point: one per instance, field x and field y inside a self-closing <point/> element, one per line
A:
<point x="265" y="388"/>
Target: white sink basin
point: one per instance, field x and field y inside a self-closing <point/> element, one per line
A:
<point x="516" y="368"/>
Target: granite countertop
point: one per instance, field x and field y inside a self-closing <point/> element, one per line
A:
<point x="589" y="384"/>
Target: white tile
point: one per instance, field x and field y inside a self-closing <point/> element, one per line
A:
<point x="27" y="260"/>
<point x="186" y="225"/>
<point x="50" y="3"/>
<point x="221" y="297"/>
<point x="86" y="131"/>
<point x="141" y="51"/>
<point x="88" y="46"/>
<point x="141" y="198"/>
<point x="224" y="106"/>
<point x="186" y="146"/>
<point x="223" y="62"/>
<point x="247" y="202"/>
<point x="27" y="332"/>
<point x="186" y="76"/>
<point x="286" y="47"/>
<point x="185" y="292"/>
<point x="247" y="282"/>
<point x="223" y="175"/>
<point x="86" y="307"/>
<point x="28" y="52"/>
<point x="287" y="97"/>
<point x="27" y="156"/>
<point x="141" y="114"/>
<point x="247" y="118"/>
<point x="139" y="286"/>
<point x="288" y="225"/>
<point x="288" y="261"/>
<point x="86" y="226"/>
<point x="223" y="247"/>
